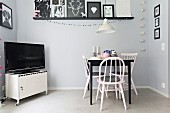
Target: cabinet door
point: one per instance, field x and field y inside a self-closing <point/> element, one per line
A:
<point x="32" y="84"/>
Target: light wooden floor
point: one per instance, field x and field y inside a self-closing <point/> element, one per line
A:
<point x="71" y="101"/>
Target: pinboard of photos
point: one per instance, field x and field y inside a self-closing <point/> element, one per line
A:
<point x="71" y="9"/>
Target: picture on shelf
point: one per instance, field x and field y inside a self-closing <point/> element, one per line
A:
<point x="108" y="10"/>
<point x="42" y="8"/>
<point x="157" y="22"/>
<point x="75" y="8"/>
<point x="157" y="33"/>
<point x="62" y="2"/>
<point x="58" y="2"/>
<point x="55" y="2"/>
<point x="58" y="11"/>
<point x="157" y="11"/>
<point x="6" y="16"/>
<point x="94" y="9"/>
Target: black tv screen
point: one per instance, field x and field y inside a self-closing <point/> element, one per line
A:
<point x="23" y="56"/>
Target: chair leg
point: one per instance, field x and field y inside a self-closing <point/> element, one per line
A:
<point x="106" y="90"/>
<point x="133" y="85"/>
<point x="86" y="85"/>
<point x="98" y="89"/>
<point x="119" y="92"/>
<point x="123" y="96"/>
<point x="102" y="95"/>
<point x="116" y="91"/>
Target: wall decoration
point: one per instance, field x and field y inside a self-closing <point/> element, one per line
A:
<point x="157" y="33"/>
<point x="55" y="2"/>
<point x="58" y="11"/>
<point x="6" y="16"/>
<point x="142" y="25"/>
<point x="93" y="9"/>
<point x="108" y="10"/>
<point x="42" y="8"/>
<point x="157" y="11"/>
<point x="75" y="8"/>
<point x="62" y="2"/>
<point x="157" y="21"/>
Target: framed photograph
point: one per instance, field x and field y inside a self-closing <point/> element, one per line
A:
<point x="62" y="2"/>
<point x="55" y="2"/>
<point x="42" y="8"/>
<point x="157" y="11"/>
<point x="157" y="33"/>
<point x="6" y="16"/>
<point x="93" y="9"/>
<point x="75" y="8"/>
<point x="108" y="10"/>
<point x="58" y="11"/>
<point x="157" y="22"/>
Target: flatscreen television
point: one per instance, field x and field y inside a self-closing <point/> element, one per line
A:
<point x="23" y="57"/>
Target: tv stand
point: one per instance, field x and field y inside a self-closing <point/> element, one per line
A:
<point x="19" y="86"/>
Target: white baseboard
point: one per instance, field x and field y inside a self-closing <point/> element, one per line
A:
<point x="142" y="87"/>
<point x="164" y="94"/>
<point x="65" y="88"/>
<point x="81" y="88"/>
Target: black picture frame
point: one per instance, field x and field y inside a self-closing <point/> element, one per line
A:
<point x="75" y="8"/>
<point x="42" y="9"/>
<point x="157" y="22"/>
<point x="58" y="11"/>
<point x="6" y="16"/>
<point x="157" y="33"/>
<point x="108" y="11"/>
<point x="93" y="9"/>
<point x="157" y="11"/>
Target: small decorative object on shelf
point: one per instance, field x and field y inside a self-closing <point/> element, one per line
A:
<point x="94" y="51"/>
<point x="98" y="51"/>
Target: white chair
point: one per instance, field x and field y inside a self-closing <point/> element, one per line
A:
<point x="87" y="74"/>
<point x="111" y="64"/>
<point x="130" y="56"/>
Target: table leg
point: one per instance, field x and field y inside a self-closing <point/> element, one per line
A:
<point x="91" y="83"/>
<point x="129" y="81"/>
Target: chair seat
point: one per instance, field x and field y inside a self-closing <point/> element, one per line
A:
<point x="125" y="73"/>
<point x="96" y="74"/>
<point x="113" y="79"/>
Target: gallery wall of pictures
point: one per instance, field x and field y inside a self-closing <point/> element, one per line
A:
<point x="53" y="9"/>
<point x="157" y="22"/>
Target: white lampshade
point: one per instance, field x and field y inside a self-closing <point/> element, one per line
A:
<point x="105" y="27"/>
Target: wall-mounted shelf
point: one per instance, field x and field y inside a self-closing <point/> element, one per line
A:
<point x="73" y="18"/>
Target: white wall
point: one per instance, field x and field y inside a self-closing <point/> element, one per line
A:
<point x="65" y="44"/>
<point x="168" y="48"/>
<point x="158" y="59"/>
<point x="7" y="35"/>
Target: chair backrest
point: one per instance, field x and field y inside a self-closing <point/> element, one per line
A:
<point x="85" y="65"/>
<point x="129" y="56"/>
<point x="111" y="65"/>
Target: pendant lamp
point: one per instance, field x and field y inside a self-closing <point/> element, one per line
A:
<point x="105" y="27"/>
